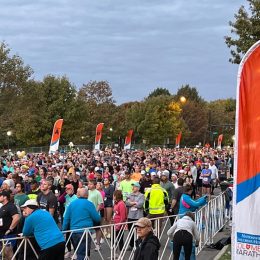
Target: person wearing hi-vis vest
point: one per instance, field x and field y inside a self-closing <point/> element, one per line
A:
<point x="156" y="200"/>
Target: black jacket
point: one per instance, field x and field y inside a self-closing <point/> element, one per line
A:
<point x="147" y="249"/>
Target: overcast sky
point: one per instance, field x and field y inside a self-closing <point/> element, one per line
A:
<point x="135" y="45"/>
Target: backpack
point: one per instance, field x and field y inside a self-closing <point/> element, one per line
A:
<point x="222" y="242"/>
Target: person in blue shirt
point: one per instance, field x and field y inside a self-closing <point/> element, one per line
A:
<point x="42" y="226"/>
<point x="81" y="214"/>
<point x="188" y="204"/>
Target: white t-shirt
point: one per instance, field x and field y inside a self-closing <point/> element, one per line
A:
<point x="214" y="170"/>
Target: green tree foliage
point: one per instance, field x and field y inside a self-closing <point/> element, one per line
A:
<point x="159" y="92"/>
<point x="195" y="116"/>
<point x="40" y="104"/>
<point x="120" y="123"/>
<point x="246" y="30"/>
<point x="222" y="115"/>
<point x="30" y="123"/>
<point x="156" y="119"/>
<point x="13" y="76"/>
<point x="97" y="91"/>
<point x="29" y="109"/>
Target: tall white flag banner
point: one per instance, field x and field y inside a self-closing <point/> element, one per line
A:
<point x="98" y="136"/>
<point x="246" y="199"/>
<point x="55" y="138"/>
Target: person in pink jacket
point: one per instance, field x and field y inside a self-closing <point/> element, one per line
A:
<point x="120" y="216"/>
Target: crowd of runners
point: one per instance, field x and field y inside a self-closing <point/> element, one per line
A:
<point x="42" y="194"/>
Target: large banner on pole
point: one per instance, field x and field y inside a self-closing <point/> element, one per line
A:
<point x="98" y="135"/>
<point x="178" y="140"/>
<point x="128" y="140"/>
<point x="220" y="139"/>
<point x="55" y="139"/>
<point x="246" y="200"/>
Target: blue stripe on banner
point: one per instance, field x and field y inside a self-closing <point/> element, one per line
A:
<point x="248" y="187"/>
<point x="55" y="142"/>
<point x="248" y="238"/>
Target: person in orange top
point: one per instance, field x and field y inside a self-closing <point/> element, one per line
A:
<point x="136" y="176"/>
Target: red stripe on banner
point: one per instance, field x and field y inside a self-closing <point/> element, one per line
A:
<point x="248" y="143"/>
<point x="56" y="131"/>
<point x="99" y="132"/>
<point x="220" y="138"/>
<point x="128" y="137"/>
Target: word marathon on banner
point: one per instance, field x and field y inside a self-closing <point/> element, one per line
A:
<point x="248" y="245"/>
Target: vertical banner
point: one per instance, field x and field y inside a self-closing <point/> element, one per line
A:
<point x="55" y="139"/>
<point x="178" y="140"/>
<point x="128" y="140"/>
<point x="246" y="209"/>
<point x="98" y="135"/>
<point x="220" y="138"/>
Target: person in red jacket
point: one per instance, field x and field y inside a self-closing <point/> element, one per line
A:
<point x="120" y="216"/>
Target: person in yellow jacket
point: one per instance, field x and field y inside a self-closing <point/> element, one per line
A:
<point x="156" y="200"/>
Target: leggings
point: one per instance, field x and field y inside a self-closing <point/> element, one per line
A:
<point x="55" y="252"/>
<point x="182" y="238"/>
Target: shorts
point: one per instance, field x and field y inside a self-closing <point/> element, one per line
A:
<point x="206" y="185"/>
<point x="108" y="205"/>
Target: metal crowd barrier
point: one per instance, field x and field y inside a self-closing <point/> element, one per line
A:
<point x="210" y="219"/>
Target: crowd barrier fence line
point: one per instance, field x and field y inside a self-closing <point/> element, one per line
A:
<point x="210" y="219"/>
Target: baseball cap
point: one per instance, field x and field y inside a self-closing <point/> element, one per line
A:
<point x="143" y="222"/>
<point x="29" y="203"/>
<point x="148" y="174"/>
<point x="166" y="173"/>
<point x="31" y="172"/>
<point x="96" y="169"/>
<point x="99" y="171"/>
<point x="142" y="172"/>
<point x="153" y="173"/>
<point x="174" y="175"/>
<point x="136" y="184"/>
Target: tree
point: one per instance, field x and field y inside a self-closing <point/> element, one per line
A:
<point x="159" y="92"/>
<point x="40" y="104"/>
<point x="13" y="76"/>
<point x="222" y="115"/>
<point x="30" y="123"/>
<point x="195" y="116"/>
<point x="246" y="29"/>
<point x="156" y="120"/>
<point x="97" y="91"/>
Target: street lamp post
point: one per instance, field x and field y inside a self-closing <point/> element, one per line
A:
<point x="9" y="133"/>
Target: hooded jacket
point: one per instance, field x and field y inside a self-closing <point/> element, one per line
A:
<point x="185" y="223"/>
<point x="147" y="249"/>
